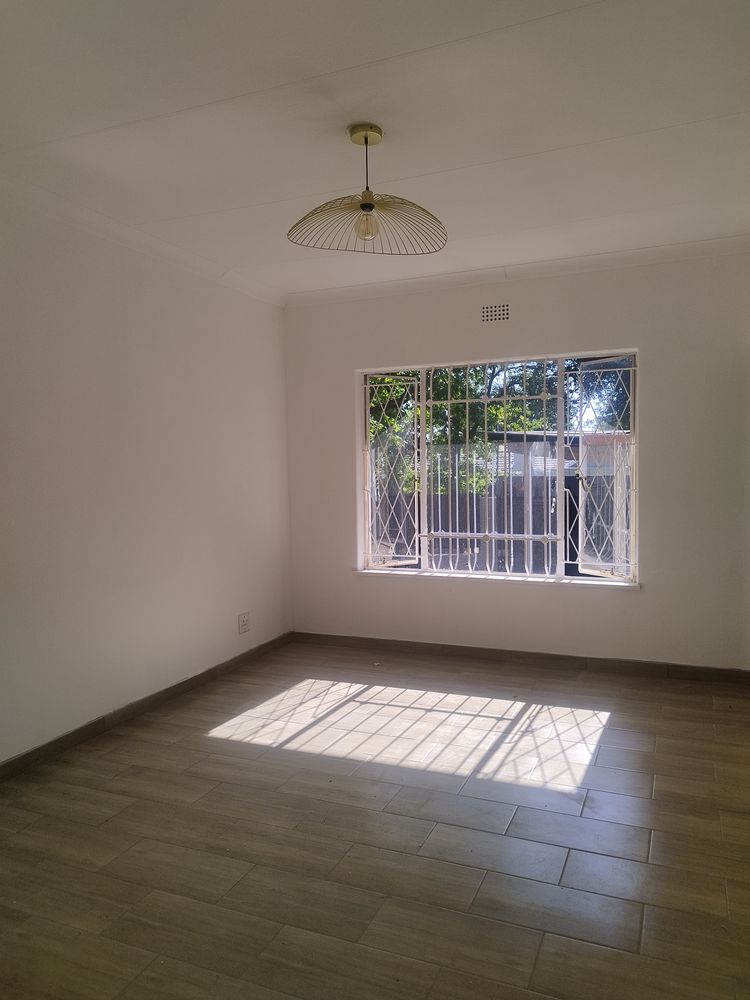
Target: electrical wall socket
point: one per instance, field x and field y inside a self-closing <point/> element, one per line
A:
<point x="243" y="622"/>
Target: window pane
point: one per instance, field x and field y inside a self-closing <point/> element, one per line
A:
<point x="494" y="496"/>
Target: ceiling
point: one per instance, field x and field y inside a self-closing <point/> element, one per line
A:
<point x="535" y="129"/>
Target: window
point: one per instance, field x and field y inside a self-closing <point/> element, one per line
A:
<point x="517" y="468"/>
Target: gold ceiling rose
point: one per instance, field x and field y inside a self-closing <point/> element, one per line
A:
<point x="369" y="222"/>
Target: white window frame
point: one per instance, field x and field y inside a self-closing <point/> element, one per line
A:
<point x="589" y="575"/>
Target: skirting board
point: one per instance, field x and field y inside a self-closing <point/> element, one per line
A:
<point x="632" y="668"/>
<point x="89" y="729"/>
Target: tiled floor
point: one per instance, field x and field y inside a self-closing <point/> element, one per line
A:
<point x="331" y="823"/>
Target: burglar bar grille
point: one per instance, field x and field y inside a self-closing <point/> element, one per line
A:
<point x="522" y="468"/>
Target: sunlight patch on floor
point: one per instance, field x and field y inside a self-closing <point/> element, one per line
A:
<point x="494" y="739"/>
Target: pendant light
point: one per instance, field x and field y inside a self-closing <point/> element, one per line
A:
<point x="369" y="222"/>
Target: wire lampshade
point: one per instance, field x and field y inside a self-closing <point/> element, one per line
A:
<point x="370" y="223"/>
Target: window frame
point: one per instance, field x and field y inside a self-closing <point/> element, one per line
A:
<point x="587" y="578"/>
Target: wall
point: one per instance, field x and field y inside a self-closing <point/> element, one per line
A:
<point x="144" y="496"/>
<point x="689" y="322"/>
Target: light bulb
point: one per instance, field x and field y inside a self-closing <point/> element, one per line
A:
<point x="366" y="227"/>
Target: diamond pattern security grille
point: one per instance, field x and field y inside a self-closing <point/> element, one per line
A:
<point x="603" y="411"/>
<point x="503" y="468"/>
<point x="391" y="485"/>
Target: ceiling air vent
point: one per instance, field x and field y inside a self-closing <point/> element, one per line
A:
<point x="491" y="314"/>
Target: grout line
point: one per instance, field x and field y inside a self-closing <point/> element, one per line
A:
<point x="476" y="891"/>
<point x="583" y="806"/>
<point x="512" y="816"/>
<point x="642" y="927"/>
<point x="543" y="935"/>
<point x="129" y="981"/>
<point x="565" y="865"/>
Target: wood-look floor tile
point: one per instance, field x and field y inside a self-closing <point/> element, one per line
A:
<point x="366" y="826"/>
<point x="214" y="747"/>
<point x="715" y="857"/>
<point x="186" y="826"/>
<point x="509" y="855"/>
<point x="452" y="985"/>
<point x="340" y="788"/>
<point x="78" y="769"/>
<point x="733" y="733"/>
<point x="693" y="939"/>
<point x="547" y="746"/>
<point x="672" y="815"/>
<point x="458" y="810"/>
<point x="737" y="706"/>
<point x="183" y="870"/>
<point x="459" y="940"/>
<point x="670" y="723"/>
<point x="627" y="739"/>
<point x="168" y="979"/>
<point x="606" y="779"/>
<point x="260" y="804"/>
<point x="654" y="763"/>
<point x="148" y="729"/>
<point x="50" y="960"/>
<point x="13" y="818"/>
<point x="203" y="934"/>
<point x="317" y="904"/>
<point x="712" y="751"/>
<point x="736" y="827"/>
<point x="397" y="874"/>
<point x="299" y="760"/>
<point x="161" y="786"/>
<point x="738" y="898"/>
<point x="319" y="967"/>
<point x="412" y="776"/>
<point x="236" y="770"/>
<point x="687" y="787"/>
<point x="645" y="883"/>
<point x="71" y="843"/>
<point x="558" y="909"/>
<point x="203" y="716"/>
<point x="75" y="803"/>
<point x="142" y="753"/>
<point x="536" y="795"/>
<point x="11" y="918"/>
<point x="732" y="782"/>
<point x="285" y="819"/>
<point x="262" y="844"/>
<point x="576" y="970"/>
<point x="82" y="899"/>
<point x="587" y="834"/>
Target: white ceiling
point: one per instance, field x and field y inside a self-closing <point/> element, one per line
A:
<point x="536" y="129"/>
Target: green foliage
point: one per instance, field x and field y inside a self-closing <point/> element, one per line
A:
<point x="465" y="406"/>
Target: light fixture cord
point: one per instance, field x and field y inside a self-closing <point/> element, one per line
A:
<point x="367" y="164"/>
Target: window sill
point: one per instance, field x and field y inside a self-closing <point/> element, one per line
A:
<point x="570" y="581"/>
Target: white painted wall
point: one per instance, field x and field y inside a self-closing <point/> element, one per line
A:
<point x="144" y="495"/>
<point x="688" y="320"/>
